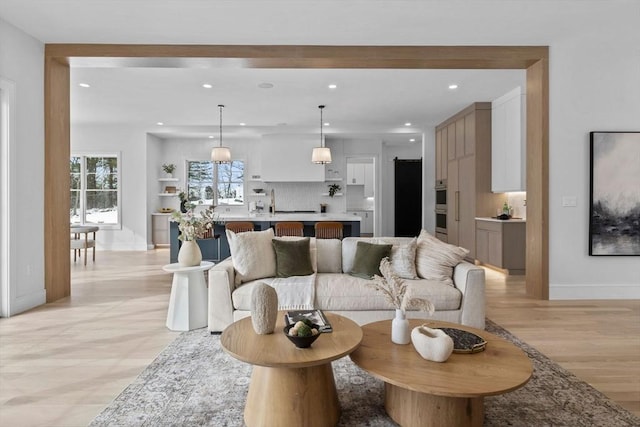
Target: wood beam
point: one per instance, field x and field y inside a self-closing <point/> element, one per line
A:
<point x="57" y="272"/>
<point x="537" y="265"/>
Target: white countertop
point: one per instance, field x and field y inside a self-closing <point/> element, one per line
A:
<point x="290" y="217"/>
<point x="486" y="218"/>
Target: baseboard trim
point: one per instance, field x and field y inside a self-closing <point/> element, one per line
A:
<point x="27" y="302"/>
<point x="594" y="291"/>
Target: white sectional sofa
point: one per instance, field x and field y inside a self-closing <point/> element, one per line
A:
<point x="460" y="299"/>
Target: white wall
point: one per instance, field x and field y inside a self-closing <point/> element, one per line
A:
<point x="130" y="142"/>
<point x="22" y="65"/>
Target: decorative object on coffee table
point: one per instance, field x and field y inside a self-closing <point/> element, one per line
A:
<point x="397" y="292"/>
<point x="264" y="308"/>
<point x="432" y="344"/>
<point x="299" y="340"/>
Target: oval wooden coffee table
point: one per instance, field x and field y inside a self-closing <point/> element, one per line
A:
<point x="419" y="392"/>
<point x="291" y="386"/>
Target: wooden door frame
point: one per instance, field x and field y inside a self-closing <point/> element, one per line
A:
<point x="60" y="57"/>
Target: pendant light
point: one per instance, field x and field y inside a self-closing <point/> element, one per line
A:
<point x="221" y="154"/>
<point x="321" y="155"/>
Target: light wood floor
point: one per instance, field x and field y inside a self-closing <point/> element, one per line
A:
<point x="60" y="364"/>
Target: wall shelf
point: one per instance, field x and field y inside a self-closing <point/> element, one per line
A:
<point x="335" y="195"/>
<point x="256" y="194"/>
<point x="168" y="179"/>
<point x="168" y="194"/>
<point x="333" y="180"/>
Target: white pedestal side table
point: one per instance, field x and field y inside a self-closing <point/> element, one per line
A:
<point x="188" y="302"/>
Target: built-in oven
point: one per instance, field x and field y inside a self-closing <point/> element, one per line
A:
<point x="441" y="194"/>
<point x="441" y="221"/>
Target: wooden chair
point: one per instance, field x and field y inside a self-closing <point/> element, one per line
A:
<point x="289" y="228"/>
<point x="239" y="226"/>
<point x="328" y="230"/>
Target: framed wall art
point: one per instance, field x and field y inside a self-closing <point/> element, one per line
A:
<point x="614" y="224"/>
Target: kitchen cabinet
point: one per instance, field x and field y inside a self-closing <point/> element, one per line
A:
<point x="160" y="229"/>
<point x="368" y="180"/>
<point x="508" y="139"/>
<point x="366" y="223"/>
<point x="287" y="158"/>
<point x="355" y="173"/>
<point x="501" y="244"/>
<point x="468" y="173"/>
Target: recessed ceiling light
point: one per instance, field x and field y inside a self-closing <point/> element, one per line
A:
<point x="210" y="136"/>
<point x="160" y="123"/>
<point x="265" y="85"/>
<point x="207" y="86"/>
<point x="412" y="140"/>
<point x="327" y="124"/>
<point x="84" y="85"/>
<point x="453" y="86"/>
<point x="243" y="124"/>
<point x="408" y="124"/>
<point x="333" y="86"/>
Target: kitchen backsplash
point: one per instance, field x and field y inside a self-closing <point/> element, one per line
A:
<point x="518" y="202"/>
<point x="299" y="196"/>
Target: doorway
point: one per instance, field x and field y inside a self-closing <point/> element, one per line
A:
<point x="407" y="197"/>
<point x="534" y="59"/>
<point x="361" y="192"/>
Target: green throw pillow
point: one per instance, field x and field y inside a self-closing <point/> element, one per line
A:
<point x="292" y="257"/>
<point x="367" y="259"/>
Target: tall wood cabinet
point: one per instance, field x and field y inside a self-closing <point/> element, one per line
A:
<point x="468" y="172"/>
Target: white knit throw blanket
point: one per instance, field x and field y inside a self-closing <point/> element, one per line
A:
<point x="295" y="292"/>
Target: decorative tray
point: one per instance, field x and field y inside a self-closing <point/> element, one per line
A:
<point x="465" y="342"/>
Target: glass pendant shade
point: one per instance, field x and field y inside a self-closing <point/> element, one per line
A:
<point x="221" y="155"/>
<point x="321" y="155"/>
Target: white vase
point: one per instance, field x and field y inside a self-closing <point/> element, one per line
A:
<point x="189" y="254"/>
<point x="400" y="333"/>
<point x="432" y="344"/>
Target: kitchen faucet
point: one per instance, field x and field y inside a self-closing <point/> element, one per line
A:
<point x="273" y="201"/>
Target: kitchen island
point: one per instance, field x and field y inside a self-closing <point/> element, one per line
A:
<point x="217" y="248"/>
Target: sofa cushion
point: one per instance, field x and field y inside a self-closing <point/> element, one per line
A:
<point x="293" y="257"/>
<point x="329" y="255"/>
<point x="403" y="258"/>
<point x="342" y="292"/>
<point x="435" y="259"/>
<point x="367" y="260"/>
<point x="349" y="246"/>
<point x="252" y="254"/>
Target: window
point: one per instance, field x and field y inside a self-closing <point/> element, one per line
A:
<point x="95" y="193"/>
<point x="229" y="182"/>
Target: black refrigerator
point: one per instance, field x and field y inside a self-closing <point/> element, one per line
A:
<point x="408" y="197"/>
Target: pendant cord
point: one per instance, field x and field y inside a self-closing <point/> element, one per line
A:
<point x="221" y="107"/>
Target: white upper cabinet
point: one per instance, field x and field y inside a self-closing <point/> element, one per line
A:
<point x="368" y="180"/>
<point x="355" y="173"/>
<point x="287" y="158"/>
<point x="508" y="142"/>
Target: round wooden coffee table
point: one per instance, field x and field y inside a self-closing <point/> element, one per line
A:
<point x="419" y="392"/>
<point x="291" y="386"/>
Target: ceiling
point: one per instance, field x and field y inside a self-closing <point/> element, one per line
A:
<point x="366" y="103"/>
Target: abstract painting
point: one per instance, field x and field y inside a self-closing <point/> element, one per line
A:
<point x="614" y="227"/>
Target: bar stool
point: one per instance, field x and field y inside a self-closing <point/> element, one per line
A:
<point x="328" y="230"/>
<point x="239" y="226"/>
<point x="289" y="228"/>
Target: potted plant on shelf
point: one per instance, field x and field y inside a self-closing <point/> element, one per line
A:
<point x="333" y="189"/>
<point x="168" y="168"/>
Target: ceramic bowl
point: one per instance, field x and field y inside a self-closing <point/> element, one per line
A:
<point x="301" y="342"/>
<point x="258" y="190"/>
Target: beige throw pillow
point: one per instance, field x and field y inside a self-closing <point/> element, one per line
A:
<point x="403" y="260"/>
<point x="435" y="259"/>
<point x="252" y="254"/>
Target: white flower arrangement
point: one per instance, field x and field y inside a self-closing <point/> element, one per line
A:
<point x="194" y="226"/>
<point x="397" y="291"/>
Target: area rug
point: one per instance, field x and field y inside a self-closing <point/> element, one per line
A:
<point x="193" y="382"/>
